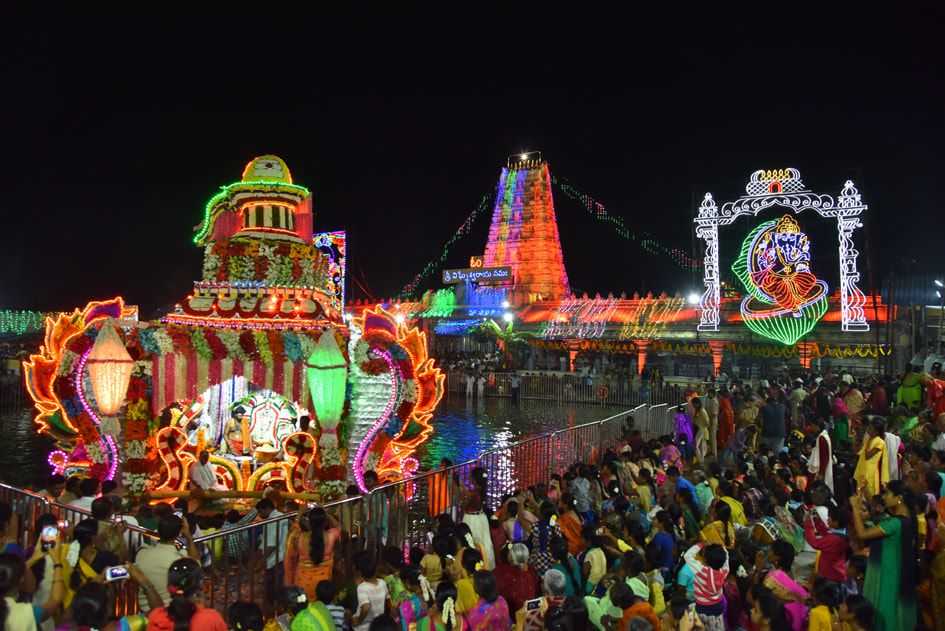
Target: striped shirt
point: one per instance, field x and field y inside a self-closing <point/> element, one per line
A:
<point x="337" y="615"/>
<point x="707" y="583"/>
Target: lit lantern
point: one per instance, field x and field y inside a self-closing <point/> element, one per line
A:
<point x="110" y="368"/>
<point x="327" y="373"/>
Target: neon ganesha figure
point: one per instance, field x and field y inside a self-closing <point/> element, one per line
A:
<point x="782" y="265"/>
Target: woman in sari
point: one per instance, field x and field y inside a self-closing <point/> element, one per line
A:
<point x="890" y="584"/>
<point x="719" y="529"/>
<point x="309" y="557"/>
<point x="784" y="587"/>
<point x="570" y="524"/>
<point x="540" y="539"/>
<point x="491" y="613"/>
<point x="872" y="470"/>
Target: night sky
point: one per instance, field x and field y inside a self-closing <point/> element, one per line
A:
<point x="115" y="135"/>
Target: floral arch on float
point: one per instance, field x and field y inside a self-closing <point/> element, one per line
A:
<point x="258" y="346"/>
<point x="783" y="298"/>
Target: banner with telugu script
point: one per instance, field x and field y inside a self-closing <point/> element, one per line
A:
<point x="483" y="275"/>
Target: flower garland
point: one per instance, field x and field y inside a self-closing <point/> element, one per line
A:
<point x="200" y="344"/>
<point x="139" y="450"/>
<point x="231" y="340"/>
<point x="278" y="263"/>
<point x="163" y="341"/>
<point x="66" y="363"/>
<point x="262" y="347"/>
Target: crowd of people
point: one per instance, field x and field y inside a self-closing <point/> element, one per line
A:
<point x="811" y="503"/>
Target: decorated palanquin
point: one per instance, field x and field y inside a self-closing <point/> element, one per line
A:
<point x="259" y="347"/>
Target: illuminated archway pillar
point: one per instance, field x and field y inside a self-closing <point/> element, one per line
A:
<point x="805" y="353"/>
<point x="641" y="346"/>
<point x="716" y="346"/>
<point x="572" y="355"/>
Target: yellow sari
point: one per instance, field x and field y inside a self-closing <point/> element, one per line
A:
<point x="872" y="473"/>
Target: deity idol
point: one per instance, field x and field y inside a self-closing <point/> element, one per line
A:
<point x="779" y="266"/>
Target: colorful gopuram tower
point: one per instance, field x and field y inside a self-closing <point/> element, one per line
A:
<point x="524" y="232"/>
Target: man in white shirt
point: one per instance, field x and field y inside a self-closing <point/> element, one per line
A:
<point x="201" y="473"/>
<point x="88" y="491"/>
<point x="711" y="404"/>
<point x="796" y="400"/>
<point x="154" y="561"/>
<point x="272" y="542"/>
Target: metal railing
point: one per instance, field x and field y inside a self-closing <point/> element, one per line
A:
<point x="246" y="561"/>
<point x="568" y="388"/>
<point x="28" y="506"/>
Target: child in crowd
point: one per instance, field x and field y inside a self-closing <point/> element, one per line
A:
<point x="389" y="569"/>
<point x="373" y="597"/>
<point x="824" y="615"/>
<point x="710" y="569"/>
<point x="466" y="592"/>
<point x="289" y="601"/>
<point x="413" y="603"/>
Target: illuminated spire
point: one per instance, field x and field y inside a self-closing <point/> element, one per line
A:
<point x="524" y="232"/>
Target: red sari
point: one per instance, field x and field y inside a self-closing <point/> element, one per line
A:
<point x="726" y="421"/>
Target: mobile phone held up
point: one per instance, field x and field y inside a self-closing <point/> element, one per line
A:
<point x="49" y="537"/>
<point x="533" y="604"/>
<point x="116" y="573"/>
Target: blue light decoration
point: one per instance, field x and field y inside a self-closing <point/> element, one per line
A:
<point x="485" y="301"/>
<point x="456" y="327"/>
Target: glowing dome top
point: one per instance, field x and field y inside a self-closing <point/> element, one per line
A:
<point x="267" y="168"/>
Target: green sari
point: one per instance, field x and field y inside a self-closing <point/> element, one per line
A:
<point x="890" y="587"/>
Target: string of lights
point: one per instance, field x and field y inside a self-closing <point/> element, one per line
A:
<point x="20" y="322"/>
<point x="410" y="288"/>
<point x="646" y="240"/>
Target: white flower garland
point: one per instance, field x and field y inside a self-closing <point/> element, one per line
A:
<point x="95" y="453"/>
<point x="135" y="449"/>
<point x="163" y="341"/>
<point x="134" y="483"/>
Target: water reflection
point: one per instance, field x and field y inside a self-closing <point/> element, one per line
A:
<point x="464" y="429"/>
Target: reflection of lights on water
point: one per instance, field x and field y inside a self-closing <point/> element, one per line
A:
<point x="503" y="465"/>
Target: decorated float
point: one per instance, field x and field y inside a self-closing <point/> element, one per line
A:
<point x="257" y="366"/>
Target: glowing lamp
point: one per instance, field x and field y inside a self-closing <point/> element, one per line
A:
<point x="505" y="304"/>
<point x="939" y="283"/>
<point x="326" y="373"/>
<point x="400" y="318"/>
<point x="693" y="298"/>
<point x="508" y="317"/>
<point x="110" y="368"/>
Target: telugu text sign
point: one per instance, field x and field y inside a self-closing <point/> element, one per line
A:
<point x="483" y="275"/>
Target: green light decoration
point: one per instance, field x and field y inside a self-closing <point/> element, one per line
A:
<point x="226" y="191"/>
<point x="464" y="228"/>
<point x="442" y="303"/>
<point x="647" y="242"/>
<point x="20" y="322"/>
<point x="785" y="301"/>
<point x="327" y="373"/>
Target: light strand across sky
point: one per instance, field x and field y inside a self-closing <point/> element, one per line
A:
<point x="649" y="244"/>
<point x="433" y="266"/>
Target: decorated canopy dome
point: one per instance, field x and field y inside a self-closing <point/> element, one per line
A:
<point x="261" y="268"/>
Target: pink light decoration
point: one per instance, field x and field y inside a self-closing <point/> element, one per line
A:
<point x="58" y="460"/>
<point x="81" y="390"/>
<point x="379" y="423"/>
<point x="107" y="441"/>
